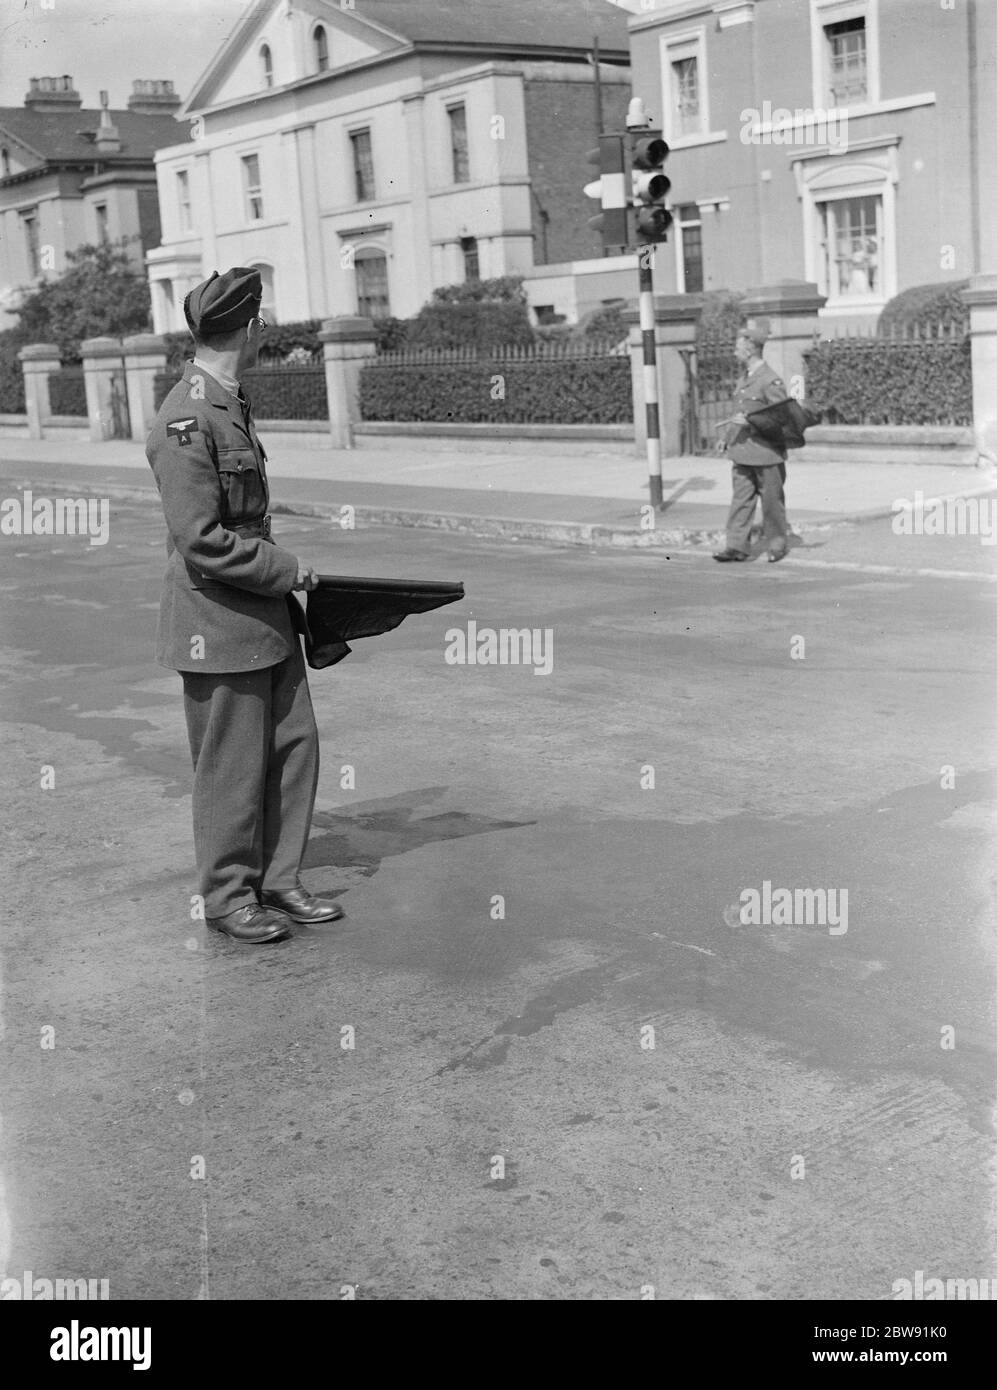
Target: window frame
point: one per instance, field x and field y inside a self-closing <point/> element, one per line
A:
<point x="354" y="133"/>
<point x="824" y="13"/>
<point x="366" y="254"/>
<point x="690" y="43"/>
<point x="320" y="48"/>
<point x="452" y="109"/>
<point x="680" y="249"/>
<point x="250" y="190"/>
<point x="266" y="62"/>
<point x="870" y="171"/>
<point x="470" y="250"/>
<point x="184" y="205"/>
<point x="32" y="240"/>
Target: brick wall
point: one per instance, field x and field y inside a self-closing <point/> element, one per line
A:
<point x="560" y="131"/>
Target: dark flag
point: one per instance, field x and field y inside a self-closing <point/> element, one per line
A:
<point x="344" y="607"/>
<point x="784" y="423"/>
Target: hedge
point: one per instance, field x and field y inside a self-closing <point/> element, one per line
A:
<point x="570" y="391"/>
<point x="875" y="381"/>
<point x="11" y="373"/>
<point x="276" y="393"/>
<point x="926" y="306"/>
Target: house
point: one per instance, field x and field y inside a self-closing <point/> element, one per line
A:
<point x="363" y="155"/>
<point x="71" y="176"/>
<point x="836" y="141"/>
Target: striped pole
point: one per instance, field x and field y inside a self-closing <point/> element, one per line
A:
<point x="645" y="255"/>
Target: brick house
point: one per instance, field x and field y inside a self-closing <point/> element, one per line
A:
<point x="71" y="176"/>
<point x="837" y="141"/>
<point x="362" y="156"/>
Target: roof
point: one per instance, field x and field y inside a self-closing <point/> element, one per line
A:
<point x="55" y="135"/>
<point x="518" y="23"/>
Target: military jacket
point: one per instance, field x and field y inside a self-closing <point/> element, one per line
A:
<point x="763" y="387"/>
<point x="224" y="604"/>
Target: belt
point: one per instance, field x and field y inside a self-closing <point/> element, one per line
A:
<point x="259" y="527"/>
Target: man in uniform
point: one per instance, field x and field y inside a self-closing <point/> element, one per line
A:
<point x="226" y="625"/>
<point x="759" y="463"/>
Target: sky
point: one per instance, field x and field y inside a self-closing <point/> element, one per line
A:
<point x="106" y="44"/>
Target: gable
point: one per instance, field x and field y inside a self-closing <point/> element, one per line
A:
<point x="239" y="69"/>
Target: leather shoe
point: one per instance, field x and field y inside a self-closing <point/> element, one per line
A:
<point x="251" y="925"/>
<point x="776" y="555"/>
<point x="302" y="906"/>
<point x="724" y="555"/>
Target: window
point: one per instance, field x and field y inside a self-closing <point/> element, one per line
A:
<point x="252" y="188"/>
<point x="852" y="239"/>
<point x="183" y="199"/>
<point x="685" y="87"/>
<point x="5" y="163"/>
<point x="363" y="165"/>
<point x="321" y="49"/>
<point x="372" y="284"/>
<point x="847" y="68"/>
<point x="30" y="222"/>
<point x="684" y="79"/>
<point x="266" y="63"/>
<point x="690" y="248"/>
<point x="458" y="144"/>
<point x="100" y="210"/>
<point x="469" y="250"/>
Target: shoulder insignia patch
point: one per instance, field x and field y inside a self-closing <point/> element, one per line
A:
<point x="181" y="430"/>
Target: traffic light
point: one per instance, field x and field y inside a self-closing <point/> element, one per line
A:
<point x="650" y="186"/>
<point x="611" y="190"/>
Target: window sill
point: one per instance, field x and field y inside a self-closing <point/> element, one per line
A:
<point x="689" y="142"/>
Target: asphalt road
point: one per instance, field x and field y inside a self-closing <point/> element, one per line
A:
<point x="813" y="1119"/>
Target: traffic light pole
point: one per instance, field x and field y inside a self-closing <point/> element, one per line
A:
<point x="647" y="333"/>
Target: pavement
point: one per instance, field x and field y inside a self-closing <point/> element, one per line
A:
<point x="611" y="1089"/>
<point x="591" y="495"/>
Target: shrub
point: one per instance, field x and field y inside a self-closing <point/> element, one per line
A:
<point x="605" y="323"/>
<point x="11" y="374"/>
<point x="507" y="289"/>
<point x="564" y="391"/>
<point x="470" y="324"/>
<point x="926" y="306"/>
<point x="869" y="381"/>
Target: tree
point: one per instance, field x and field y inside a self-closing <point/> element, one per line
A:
<point x="100" y="293"/>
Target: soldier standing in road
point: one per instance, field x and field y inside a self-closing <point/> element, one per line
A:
<point x="227" y="625"/>
<point x="759" y="463"/>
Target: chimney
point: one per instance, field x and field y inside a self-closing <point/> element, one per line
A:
<point x="106" y="137"/>
<point x="52" y="94"/>
<point x="153" y="98"/>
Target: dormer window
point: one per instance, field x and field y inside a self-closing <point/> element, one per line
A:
<point x="321" y="48"/>
<point x="266" y="63"/>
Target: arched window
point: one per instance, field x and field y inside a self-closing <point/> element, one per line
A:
<point x="321" y="48"/>
<point x="266" y="62"/>
<point x="4" y="163"/>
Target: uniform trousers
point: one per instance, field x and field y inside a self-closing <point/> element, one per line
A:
<point x="750" y="483"/>
<point x="256" y="757"/>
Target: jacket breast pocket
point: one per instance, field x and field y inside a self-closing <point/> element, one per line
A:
<point x="243" y="497"/>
